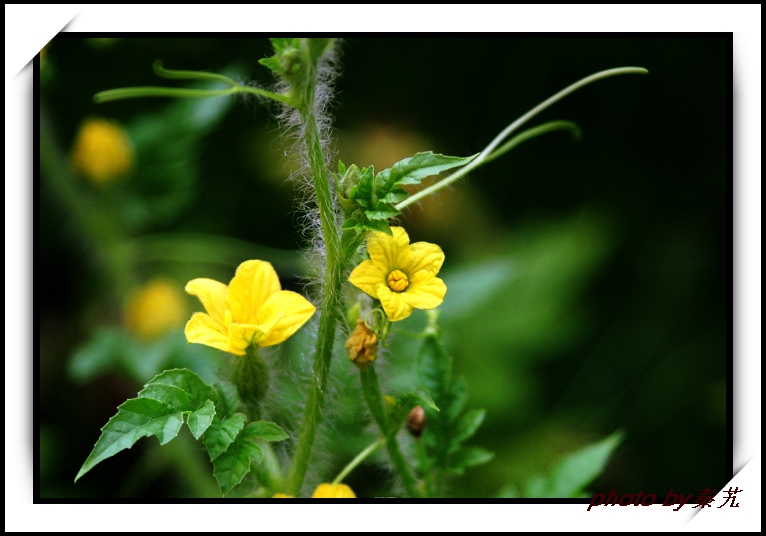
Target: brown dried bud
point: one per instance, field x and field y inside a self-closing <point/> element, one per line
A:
<point x="416" y="421"/>
<point x="362" y="345"/>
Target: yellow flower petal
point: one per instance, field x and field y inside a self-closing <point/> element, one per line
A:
<point x="333" y="491"/>
<point x="424" y="256"/>
<point x="281" y="315"/>
<point x="253" y="283"/>
<point x="282" y="496"/>
<point x="389" y="252"/>
<point x="425" y="291"/>
<point x="367" y="276"/>
<point x="393" y="303"/>
<point x="213" y="296"/>
<point x="202" y="329"/>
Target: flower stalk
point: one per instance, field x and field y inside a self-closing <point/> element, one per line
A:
<point x="374" y="399"/>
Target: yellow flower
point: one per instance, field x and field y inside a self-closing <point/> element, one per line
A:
<point x="282" y="496"/>
<point x="154" y="309"/>
<point x="401" y="275"/>
<point x="252" y="310"/>
<point x="102" y="151"/>
<point x="333" y="491"/>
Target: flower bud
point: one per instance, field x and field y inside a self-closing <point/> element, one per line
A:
<point x="362" y="345"/>
<point x="416" y="421"/>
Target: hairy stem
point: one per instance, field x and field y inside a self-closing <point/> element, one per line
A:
<point x="331" y="287"/>
<point x="374" y="399"/>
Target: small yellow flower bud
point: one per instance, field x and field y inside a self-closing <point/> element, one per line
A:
<point x="154" y="308"/>
<point x="333" y="491"/>
<point x="362" y="345"/>
<point x="282" y="496"/>
<point x="102" y="151"/>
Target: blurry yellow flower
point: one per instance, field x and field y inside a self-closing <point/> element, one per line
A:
<point x="252" y="310"/>
<point x="154" y="308"/>
<point x="401" y="275"/>
<point x="333" y="491"/>
<point x="282" y="496"/>
<point x="102" y="151"/>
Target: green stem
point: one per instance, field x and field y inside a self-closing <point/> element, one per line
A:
<point x="374" y="399"/>
<point x="484" y="155"/>
<point x="331" y="289"/>
<point x="357" y="460"/>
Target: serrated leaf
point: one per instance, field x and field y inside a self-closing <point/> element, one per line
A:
<point x="221" y="434"/>
<point x="458" y="395"/>
<point x="199" y="421"/>
<point x="433" y="370"/>
<point x="136" y="418"/>
<point x="266" y="430"/>
<point x="580" y="468"/>
<point x="192" y="385"/>
<point x="364" y="189"/>
<point x="469" y="457"/>
<point x="416" y="168"/>
<point x="341" y="168"/>
<point x="173" y="396"/>
<point x="396" y="195"/>
<point x="228" y="398"/>
<point x="382" y="211"/>
<point x="231" y="467"/>
<point x="271" y="63"/>
<point x="380" y="226"/>
<point x="467" y="425"/>
<point x="281" y="43"/>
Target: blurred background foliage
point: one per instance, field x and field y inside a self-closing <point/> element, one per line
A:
<point x="588" y="282"/>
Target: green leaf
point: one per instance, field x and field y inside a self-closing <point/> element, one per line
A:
<point x="433" y="370"/>
<point x="469" y="457"/>
<point x="199" y="421"/>
<point x="364" y="190"/>
<point x="221" y="433"/>
<point x="136" y="418"/>
<point x="458" y="395"/>
<point x="267" y="431"/>
<point x="197" y="391"/>
<point x="379" y="226"/>
<point x="467" y="425"/>
<point x="350" y="223"/>
<point x="578" y="469"/>
<point x="395" y="195"/>
<point x="416" y="168"/>
<point x="231" y="467"/>
<point x="227" y="395"/>
<point x="382" y="211"/>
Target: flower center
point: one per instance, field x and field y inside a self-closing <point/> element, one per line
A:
<point x="397" y="281"/>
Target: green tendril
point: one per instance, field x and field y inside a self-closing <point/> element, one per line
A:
<point x="488" y="151"/>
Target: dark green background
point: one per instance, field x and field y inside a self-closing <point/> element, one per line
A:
<point x="606" y="262"/>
